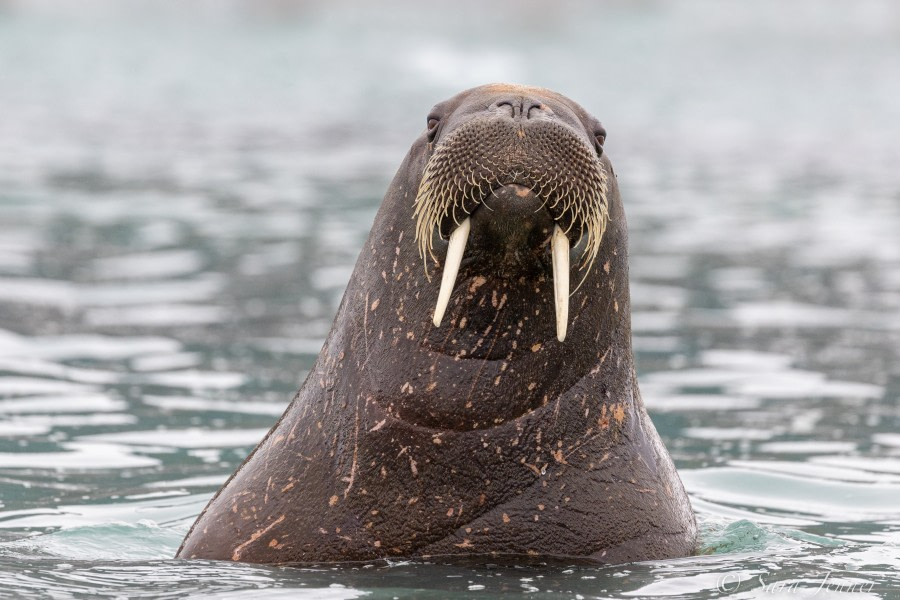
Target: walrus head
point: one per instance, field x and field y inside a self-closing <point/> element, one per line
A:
<point x="509" y="196"/>
<point x="540" y="166"/>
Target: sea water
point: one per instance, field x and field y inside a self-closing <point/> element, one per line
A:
<point x="184" y="190"/>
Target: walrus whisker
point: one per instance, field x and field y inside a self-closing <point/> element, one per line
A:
<point x="569" y="228"/>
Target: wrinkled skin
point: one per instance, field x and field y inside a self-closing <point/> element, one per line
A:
<point x="484" y="437"/>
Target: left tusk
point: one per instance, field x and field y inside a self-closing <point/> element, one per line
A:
<point x="559" y="246"/>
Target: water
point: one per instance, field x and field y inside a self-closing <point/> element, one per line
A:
<point x="183" y="193"/>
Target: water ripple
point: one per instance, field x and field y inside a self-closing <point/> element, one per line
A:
<point x="184" y="191"/>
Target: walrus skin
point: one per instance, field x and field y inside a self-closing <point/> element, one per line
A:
<point x="486" y="437"/>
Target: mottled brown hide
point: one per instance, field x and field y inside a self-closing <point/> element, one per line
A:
<point x="485" y="436"/>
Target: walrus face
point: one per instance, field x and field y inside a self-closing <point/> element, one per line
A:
<point x="518" y="171"/>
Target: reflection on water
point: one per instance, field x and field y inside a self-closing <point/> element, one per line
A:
<point x="183" y="196"/>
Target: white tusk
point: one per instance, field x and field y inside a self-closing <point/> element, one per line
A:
<point x="559" y="245"/>
<point x="451" y="267"/>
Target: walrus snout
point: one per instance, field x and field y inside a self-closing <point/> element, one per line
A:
<point x="511" y="145"/>
<point x="510" y="232"/>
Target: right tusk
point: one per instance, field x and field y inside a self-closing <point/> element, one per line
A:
<point x="451" y="268"/>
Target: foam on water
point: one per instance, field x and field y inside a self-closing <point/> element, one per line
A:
<point x="77" y="456"/>
<point x="185" y="438"/>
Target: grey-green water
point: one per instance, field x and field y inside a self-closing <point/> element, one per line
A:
<point x="184" y="190"/>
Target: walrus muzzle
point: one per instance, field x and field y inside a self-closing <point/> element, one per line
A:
<point x="487" y="153"/>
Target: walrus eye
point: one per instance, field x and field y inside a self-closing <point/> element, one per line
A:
<point x="599" y="138"/>
<point x="432" y="127"/>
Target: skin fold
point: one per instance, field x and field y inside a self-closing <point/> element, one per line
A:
<point x="485" y="436"/>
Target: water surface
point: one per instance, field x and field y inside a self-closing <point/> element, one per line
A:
<point x="183" y="194"/>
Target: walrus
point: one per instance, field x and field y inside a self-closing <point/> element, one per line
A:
<point x="476" y="398"/>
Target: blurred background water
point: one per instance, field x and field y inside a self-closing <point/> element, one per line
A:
<point x="184" y="188"/>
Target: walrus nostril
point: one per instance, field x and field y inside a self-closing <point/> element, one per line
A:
<point x="507" y="106"/>
<point x="536" y="109"/>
